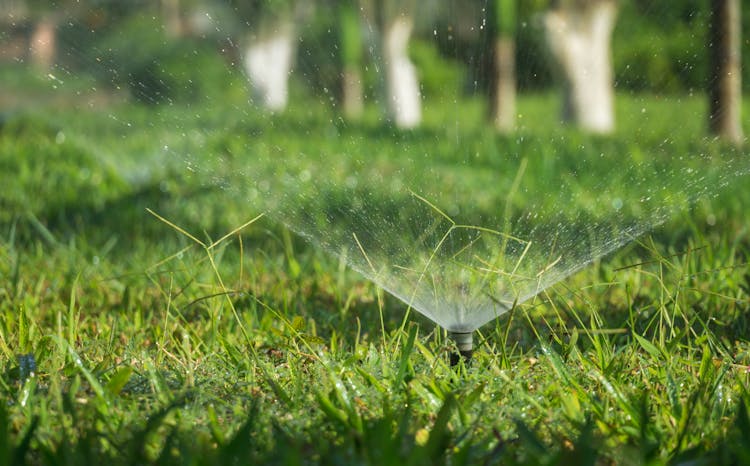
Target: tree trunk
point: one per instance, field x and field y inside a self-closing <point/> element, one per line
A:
<point x="503" y="87"/>
<point x="578" y="36"/>
<point x="350" y="40"/>
<point x="43" y="43"/>
<point x="401" y="83"/>
<point x="174" y="23"/>
<point x="268" y="61"/>
<point x="503" y="79"/>
<point x="352" y="100"/>
<point x="725" y="79"/>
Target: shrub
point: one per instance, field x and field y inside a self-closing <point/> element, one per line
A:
<point x="138" y="54"/>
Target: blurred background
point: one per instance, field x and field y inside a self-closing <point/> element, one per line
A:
<point x="392" y="55"/>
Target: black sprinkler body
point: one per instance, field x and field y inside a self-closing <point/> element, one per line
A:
<point x="464" y="347"/>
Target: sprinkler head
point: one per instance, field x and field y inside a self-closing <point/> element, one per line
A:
<point x="465" y="343"/>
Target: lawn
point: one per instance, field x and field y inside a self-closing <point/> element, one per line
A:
<point x="160" y="301"/>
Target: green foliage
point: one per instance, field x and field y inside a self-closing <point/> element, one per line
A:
<point x="438" y="76"/>
<point x="255" y="13"/>
<point x="350" y="33"/>
<point x="158" y="69"/>
<point x="505" y="16"/>
<point x="326" y="44"/>
<point x="662" y="53"/>
<point x="664" y="48"/>
<point x="319" y="56"/>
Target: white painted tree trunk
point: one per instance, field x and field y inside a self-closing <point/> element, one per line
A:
<point x="267" y="61"/>
<point x="401" y="82"/>
<point x="579" y="38"/>
<point x="43" y="43"/>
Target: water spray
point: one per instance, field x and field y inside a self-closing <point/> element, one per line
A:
<point x="465" y="345"/>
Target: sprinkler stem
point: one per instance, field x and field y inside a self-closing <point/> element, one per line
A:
<point x="465" y="344"/>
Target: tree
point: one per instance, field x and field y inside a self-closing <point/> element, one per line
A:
<point x="350" y="44"/>
<point x="578" y="34"/>
<point x="173" y="17"/>
<point x="43" y="42"/>
<point x="725" y="79"/>
<point x="503" y="79"/>
<point x="268" y="48"/>
<point x="395" y="24"/>
<point x="43" y="38"/>
<point x="46" y="16"/>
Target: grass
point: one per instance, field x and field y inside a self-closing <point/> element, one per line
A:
<point x="202" y="334"/>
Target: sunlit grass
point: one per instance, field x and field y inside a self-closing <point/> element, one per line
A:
<point x="641" y="358"/>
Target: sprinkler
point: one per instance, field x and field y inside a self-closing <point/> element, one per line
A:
<point x="465" y="343"/>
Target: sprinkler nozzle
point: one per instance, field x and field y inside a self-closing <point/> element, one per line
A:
<point x="465" y="344"/>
